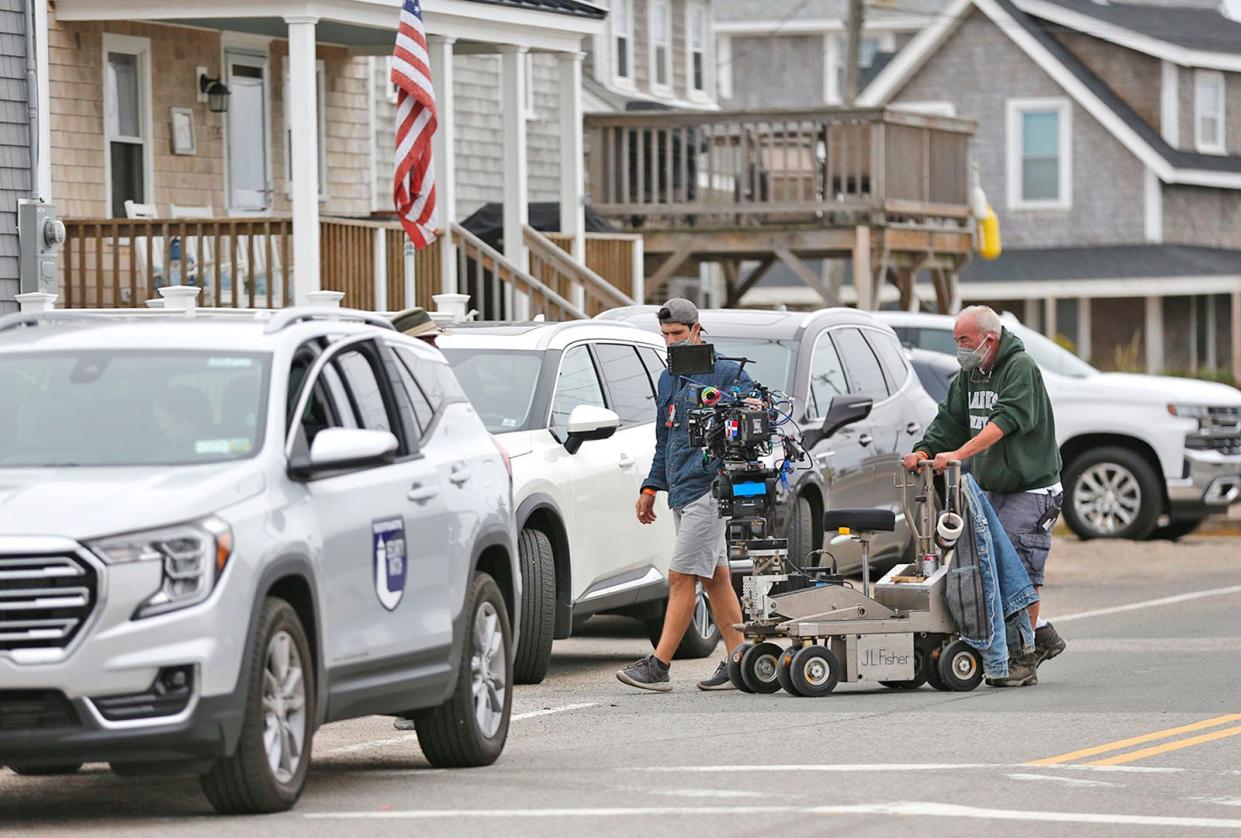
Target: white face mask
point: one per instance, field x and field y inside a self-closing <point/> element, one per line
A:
<point x="971" y="359"/>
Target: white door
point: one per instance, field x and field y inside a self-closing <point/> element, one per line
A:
<point x="249" y="167"/>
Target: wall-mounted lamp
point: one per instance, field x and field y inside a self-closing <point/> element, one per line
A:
<point x="216" y="92"/>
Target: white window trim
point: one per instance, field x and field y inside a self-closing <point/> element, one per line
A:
<point x="1209" y="145"/>
<point x="321" y="115"/>
<point x="703" y="95"/>
<point x="256" y="45"/>
<point x="389" y="85"/>
<point x="651" y="7"/>
<point x="141" y="47"/>
<point x="723" y="66"/>
<point x="529" y="112"/>
<point x="836" y="51"/>
<point x="1016" y="107"/>
<point x="614" y="33"/>
<point x="936" y="107"/>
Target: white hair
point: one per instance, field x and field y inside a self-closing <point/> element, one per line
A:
<point x="984" y="317"/>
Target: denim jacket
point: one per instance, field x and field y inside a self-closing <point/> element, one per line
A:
<point x="677" y="468"/>
<point x="988" y="587"/>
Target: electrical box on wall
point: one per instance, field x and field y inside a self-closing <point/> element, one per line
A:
<point x="41" y="234"/>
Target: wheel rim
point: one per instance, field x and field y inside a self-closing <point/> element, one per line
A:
<point x="702" y="622"/>
<point x="284" y="707"/>
<point x="964" y="666"/>
<point x="489" y="669"/>
<point x="817" y="671"/>
<point x="766" y="667"/>
<point x="1107" y="497"/>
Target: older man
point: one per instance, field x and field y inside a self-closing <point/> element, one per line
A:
<point x="997" y="414"/>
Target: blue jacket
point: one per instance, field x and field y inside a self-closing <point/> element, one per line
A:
<point x="988" y="587"/>
<point x="677" y="468"/>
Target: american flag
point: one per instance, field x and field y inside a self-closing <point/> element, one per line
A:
<point x="414" y="186"/>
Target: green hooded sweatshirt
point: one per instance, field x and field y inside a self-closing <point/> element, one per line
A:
<point x="1012" y="396"/>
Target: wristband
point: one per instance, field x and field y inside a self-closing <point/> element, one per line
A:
<point x="648" y="490"/>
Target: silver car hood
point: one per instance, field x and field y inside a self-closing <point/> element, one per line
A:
<point x="88" y="502"/>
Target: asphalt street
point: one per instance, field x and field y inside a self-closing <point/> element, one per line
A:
<point x="1134" y="730"/>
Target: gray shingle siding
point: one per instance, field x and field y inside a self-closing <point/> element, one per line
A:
<point x="778" y="72"/>
<point x="14" y="143"/>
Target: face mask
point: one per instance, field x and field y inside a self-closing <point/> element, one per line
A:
<point x="971" y="359"/>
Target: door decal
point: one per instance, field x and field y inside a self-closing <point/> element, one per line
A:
<point x="388" y="550"/>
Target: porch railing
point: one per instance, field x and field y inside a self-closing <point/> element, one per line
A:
<point x="554" y="267"/>
<point x="369" y="261"/>
<point x="615" y="257"/>
<point x="735" y="168"/>
<point x="499" y="290"/>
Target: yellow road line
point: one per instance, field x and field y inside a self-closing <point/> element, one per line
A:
<point x="1136" y="740"/>
<point x="1168" y="746"/>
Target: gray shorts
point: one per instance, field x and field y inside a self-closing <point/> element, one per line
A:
<point x="1020" y="514"/>
<point x="701" y="538"/>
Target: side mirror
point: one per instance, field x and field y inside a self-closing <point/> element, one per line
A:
<point x="587" y="423"/>
<point x="844" y="410"/>
<point x="344" y="448"/>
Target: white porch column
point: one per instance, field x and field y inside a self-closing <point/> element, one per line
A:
<point x="516" y="182"/>
<point x="572" y="159"/>
<point x="1154" y="334"/>
<point x="1083" y="329"/>
<point x="1235" y="326"/>
<point x="1049" y="317"/>
<point x="303" y="128"/>
<point x="444" y="154"/>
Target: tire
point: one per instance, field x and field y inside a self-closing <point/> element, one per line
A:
<point x="734" y="667"/>
<point x="1132" y="509"/>
<point x="538" y="607"/>
<point x="912" y="684"/>
<point x="453" y="735"/>
<point x="960" y="667"/>
<point x="1177" y="530"/>
<point x="57" y="770"/>
<point x="815" y="671"/>
<point x="930" y="665"/>
<point x="247" y="783"/>
<point x="784" y="673"/>
<point x="799" y="530"/>
<point x="701" y="637"/>
<point x="759" y="667"/>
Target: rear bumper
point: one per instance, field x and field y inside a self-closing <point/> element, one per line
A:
<point x="1212" y="482"/>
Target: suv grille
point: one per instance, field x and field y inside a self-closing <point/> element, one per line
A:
<point x="22" y="710"/>
<point x="1230" y="445"/>
<point x="44" y="600"/>
<point x="1222" y="420"/>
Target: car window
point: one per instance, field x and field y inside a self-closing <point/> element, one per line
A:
<point x="935" y="380"/>
<point x="434" y="376"/>
<point x="865" y="374"/>
<point x="891" y="358"/>
<point x="577" y="384"/>
<point x="628" y="384"/>
<point x="935" y="340"/>
<point x="654" y="363"/>
<point x="366" y="396"/>
<point x="423" y="412"/>
<point x="322" y="409"/>
<point x="827" y="377"/>
<point x="500" y="383"/>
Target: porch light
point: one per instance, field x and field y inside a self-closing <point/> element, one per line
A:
<point x="217" y="93"/>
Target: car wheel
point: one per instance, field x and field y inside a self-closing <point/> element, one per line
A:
<point x="538" y="607"/>
<point x="57" y="770"/>
<point x="1177" y="529"/>
<point x="1111" y="492"/>
<point x="799" y="530"/>
<point x="701" y="637"/>
<point x="268" y="770"/>
<point x="470" y="728"/>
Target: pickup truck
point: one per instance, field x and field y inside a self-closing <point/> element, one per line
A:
<point x="1144" y="455"/>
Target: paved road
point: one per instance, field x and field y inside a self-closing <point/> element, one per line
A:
<point x="1133" y="731"/>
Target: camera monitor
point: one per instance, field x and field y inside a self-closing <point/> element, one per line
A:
<point x="691" y="359"/>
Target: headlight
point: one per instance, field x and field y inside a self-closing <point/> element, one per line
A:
<point x="192" y="557"/>
<point x="1189" y="411"/>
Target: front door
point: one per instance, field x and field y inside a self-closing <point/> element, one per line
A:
<point x="249" y="169"/>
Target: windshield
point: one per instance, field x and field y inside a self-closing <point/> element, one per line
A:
<point x="130" y="408"/>
<point x="500" y="384"/>
<point x="773" y="359"/>
<point x="1050" y="355"/>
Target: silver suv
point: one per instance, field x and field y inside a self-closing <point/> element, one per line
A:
<point x="218" y="533"/>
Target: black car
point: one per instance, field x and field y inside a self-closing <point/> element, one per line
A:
<point x="816" y="357"/>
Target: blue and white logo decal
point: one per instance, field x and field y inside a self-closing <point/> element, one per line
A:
<point x="388" y="549"/>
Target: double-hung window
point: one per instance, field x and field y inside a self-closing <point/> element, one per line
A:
<point x="622" y="37"/>
<point x="1039" y="154"/>
<point x="127" y="120"/>
<point x="696" y="45"/>
<point x="1209" y="111"/>
<point x="661" y="44"/>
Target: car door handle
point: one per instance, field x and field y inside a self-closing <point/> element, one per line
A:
<point x="419" y="493"/>
<point x="459" y="476"/>
<point x="864" y="440"/>
<point x="625" y="461"/>
<point x="824" y="457"/>
<point x="912" y="428"/>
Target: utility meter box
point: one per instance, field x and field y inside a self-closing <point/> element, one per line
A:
<point x="41" y="234"/>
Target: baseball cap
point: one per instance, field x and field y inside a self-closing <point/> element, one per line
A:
<point x="678" y="310"/>
<point x="416" y="322"/>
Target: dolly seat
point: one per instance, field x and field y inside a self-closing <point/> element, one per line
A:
<point x="860" y="520"/>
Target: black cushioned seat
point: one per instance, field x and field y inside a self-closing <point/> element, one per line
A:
<point x="861" y="520"/>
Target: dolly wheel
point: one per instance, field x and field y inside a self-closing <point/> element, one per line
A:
<point x="913" y="683"/>
<point x="931" y="666"/>
<point x="784" y="671"/>
<point x="758" y="667"/>
<point x="960" y="666"/>
<point x="734" y="667"/>
<point x="815" y="671"/>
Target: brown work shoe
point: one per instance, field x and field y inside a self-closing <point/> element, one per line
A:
<point x="1047" y="643"/>
<point x="1022" y="672"/>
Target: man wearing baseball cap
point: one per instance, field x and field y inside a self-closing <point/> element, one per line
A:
<point x="701" y="553"/>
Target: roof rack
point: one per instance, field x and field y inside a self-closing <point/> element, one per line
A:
<point x="303" y="314"/>
<point x="35" y="318"/>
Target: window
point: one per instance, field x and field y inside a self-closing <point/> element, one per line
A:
<point x="661" y="37"/>
<point x="1039" y="154"/>
<point x="390" y="88"/>
<point x="696" y="59"/>
<point x="501" y="384"/>
<point x="577" y="384"/>
<point x="628" y="384"/>
<point x="891" y="358"/>
<point x="424" y="414"/>
<point x="1209" y="111"/>
<point x="654" y="363"/>
<point x="867" y="50"/>
<point x="865" y="374"/>
<point x="127" y="120"/>
<point x="827" y="377"/>
<point x="365" y="393"/>
<point x="622" y="36"/>
<point x="435" y="377"/>
<point x="320" y="108"/>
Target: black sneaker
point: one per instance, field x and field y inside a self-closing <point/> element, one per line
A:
<point x="718" y="681"/>
<point x="1022" y="672"/>
<point x="1047" y="643"/>
<point x="647" y="674"/>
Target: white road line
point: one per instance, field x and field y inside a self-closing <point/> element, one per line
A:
<point x="1222" y="801"/>
<point x="1150" y="603"/>
<point x="1118" y="769"/>
<point x="900" y="809"/>
<point x="1068" y="781"/>
<point x="850" y="769"/>
<point x="412" y="737"/>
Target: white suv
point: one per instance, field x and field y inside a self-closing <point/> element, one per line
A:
<point x="219" y="532"/>
<point x="574" y="405"/>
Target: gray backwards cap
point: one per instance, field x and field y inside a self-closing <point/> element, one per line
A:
<point x="678" y="310"/>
